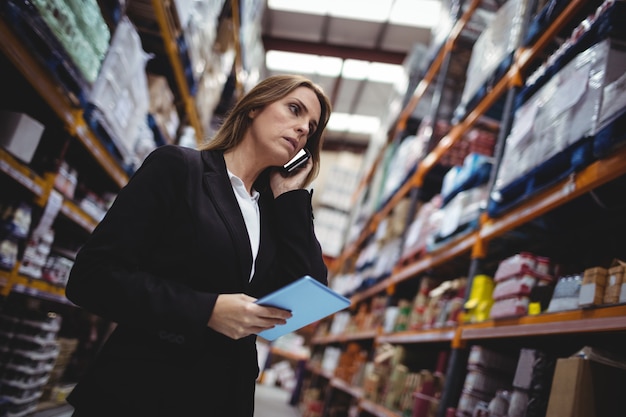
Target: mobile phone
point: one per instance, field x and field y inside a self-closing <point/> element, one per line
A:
<point x="297" y="161"/>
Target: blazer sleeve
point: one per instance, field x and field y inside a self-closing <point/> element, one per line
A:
<point x="108" y="278"/>
<point x="299" y="251"/>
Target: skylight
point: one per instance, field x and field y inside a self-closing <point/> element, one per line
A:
<point x="417" y="13"/>
<point x="353" y="123"/>
<point x="353" y="69"/>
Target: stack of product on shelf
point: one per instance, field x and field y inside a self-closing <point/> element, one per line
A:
<point x="434" y="306"/>
<point x="15" y="220"/>
<point x="565" y="104"/>
<point x="492" y="52"/>
<point x="332" y="215"/>
<point x="27" y="356"/>
<point x="603" y="286"/>
<point x="566" y="294"/>
<point x="351" y="364"/>
<point x="488" y="372"/>
<point x="55" y="390"/>
<point x="162" y="107"/>
<point x="119" y="101"/>
<point x="36" y="254"/>
<point x="80" y="28"/>
<point x="427" y="388"/>
<point x="531" y="384"/>
<point x="515" y="279"/>
<point x="390" y="382"/>
<point x="422" y="228"/>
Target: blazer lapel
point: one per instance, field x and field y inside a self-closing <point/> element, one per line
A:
<point x="218" y="188"/>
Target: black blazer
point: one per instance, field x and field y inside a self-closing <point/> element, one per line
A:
<point x="172" y="241"/>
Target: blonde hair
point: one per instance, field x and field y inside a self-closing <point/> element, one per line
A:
<point x="271" y="89"/>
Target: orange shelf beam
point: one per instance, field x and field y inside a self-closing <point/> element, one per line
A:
<point x="598" y="173"/>
<point x="603" y="319"/>
<point x="418" y="336"/>
<point x="171" y="49"/>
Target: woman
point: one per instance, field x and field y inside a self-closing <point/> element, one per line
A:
<point x="190" y="243"/>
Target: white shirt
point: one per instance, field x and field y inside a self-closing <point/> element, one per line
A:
<point x="249" y="205"/>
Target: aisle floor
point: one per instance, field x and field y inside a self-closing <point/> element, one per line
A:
<point x="270" y="402"/>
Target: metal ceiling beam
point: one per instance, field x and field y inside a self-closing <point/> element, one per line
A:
<point x="327" y="49"/>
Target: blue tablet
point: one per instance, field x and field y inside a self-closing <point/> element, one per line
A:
<point x="307" y="299"/>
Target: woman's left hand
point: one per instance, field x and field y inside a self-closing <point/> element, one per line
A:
<point x="282" y="182"/>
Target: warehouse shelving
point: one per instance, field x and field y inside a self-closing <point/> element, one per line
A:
<point x="68" y="110"/>
<point x="475" y="245"/>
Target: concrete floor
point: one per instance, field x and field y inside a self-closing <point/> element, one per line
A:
<point x="270" y="402"/>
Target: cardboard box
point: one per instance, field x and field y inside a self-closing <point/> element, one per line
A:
<point x="20" y="134"/>
<point x="583" y="388"/>
<point x="595" y="275"/>
<point x="614" y="280"/>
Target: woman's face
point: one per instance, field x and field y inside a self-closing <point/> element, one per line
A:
<point x="280" y="129"/>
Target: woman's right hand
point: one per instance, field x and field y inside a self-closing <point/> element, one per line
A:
<point x="237" y="316"/>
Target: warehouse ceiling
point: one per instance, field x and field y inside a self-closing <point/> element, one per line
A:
<point x="354" y="52"/>
<point x="359" y="53"/>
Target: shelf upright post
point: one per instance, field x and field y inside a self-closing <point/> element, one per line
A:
<point x="455" y="378"/>
<point x="179" y="74"/>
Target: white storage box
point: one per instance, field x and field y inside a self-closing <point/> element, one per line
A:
<point x="20" y="134"/>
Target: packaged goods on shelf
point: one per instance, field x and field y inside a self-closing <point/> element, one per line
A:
<point x="426" y="223"/>
<point x="57" y="270"/>
<point x="480" y="299"/>
<point x="91" y="23"/>
<point x="16" y="218"/>
<point x="519" y="274"/>
<point x="614" y="282"/>
<point x="566" y="293"/>
<point x="29" y="351"/>
<point x="517" y="279"/>
<point x="162" y="106"/>
<point x="20" y="134"/>
<point x="15" y="221"/>
<point x="531" y="383"/>
<point x="36" y="254"/>
<point x="64" y="24"/>
<point x="461" y="213"/>
<point x="66" y="180"/>
<point x="420" y="303"/>
<point x="401" y="163"/>
<point x="564" y="111"/>
<point x="330" y="228"/>
<point x="489" y="372"/>
<point x="445" y="304"/>
<point x="493" y="50"/>
<point x="474" y="172"/>
<point x="119" y="100"/>
<point x="330" y="359"/>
